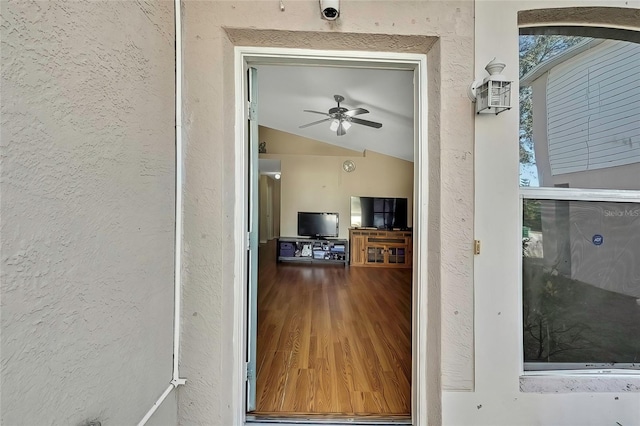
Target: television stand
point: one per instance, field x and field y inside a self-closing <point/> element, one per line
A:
<point x="312" y="250"/>
<point x="381" y="248"/>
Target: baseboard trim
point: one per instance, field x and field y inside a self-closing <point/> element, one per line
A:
<point x="257" y="419"/>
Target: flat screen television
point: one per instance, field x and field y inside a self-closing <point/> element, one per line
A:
<point x="318" y="225"/>
<point x="379" y="212"/>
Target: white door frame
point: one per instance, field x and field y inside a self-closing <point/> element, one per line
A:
<point x="388" y="60"/>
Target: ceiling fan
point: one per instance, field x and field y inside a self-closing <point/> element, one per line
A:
<point x="341" y="118"/>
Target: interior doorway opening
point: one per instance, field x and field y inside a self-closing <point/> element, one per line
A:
<point x="416" y="64"/>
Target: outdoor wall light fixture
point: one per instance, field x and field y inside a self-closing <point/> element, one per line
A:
<point x="493" y="94"/>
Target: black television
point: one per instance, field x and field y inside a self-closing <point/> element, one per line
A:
<point x="379" y="212"/>
<point x="318" y="225"/>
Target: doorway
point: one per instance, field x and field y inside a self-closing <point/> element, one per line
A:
<point x="247" y="57"/>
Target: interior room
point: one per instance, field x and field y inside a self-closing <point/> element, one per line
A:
<point x="336" y="248"/>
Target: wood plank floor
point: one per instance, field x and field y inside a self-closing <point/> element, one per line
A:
<point x="332" y="340"/>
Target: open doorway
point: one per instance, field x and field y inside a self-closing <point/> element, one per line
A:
<point x="269" y="198"/>
<point x="336" y="339"/>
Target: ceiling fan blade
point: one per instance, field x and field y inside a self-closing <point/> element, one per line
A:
<point x="366" y="122"/>
<point x="314" y="123"/>
<point x="315" y="112"/>
<point x="356" y="111"/>
<point x="341" y="130"/>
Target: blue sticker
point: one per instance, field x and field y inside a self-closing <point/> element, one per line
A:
<point x="597" y="240"/>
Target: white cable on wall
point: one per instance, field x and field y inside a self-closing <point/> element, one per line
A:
<point x="176" y="380"/>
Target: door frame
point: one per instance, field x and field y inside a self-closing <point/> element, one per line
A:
<point x="251" y="56"/>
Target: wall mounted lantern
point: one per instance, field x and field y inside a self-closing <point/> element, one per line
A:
<point x="493" y="94"/>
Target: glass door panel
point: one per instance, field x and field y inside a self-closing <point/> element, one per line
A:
<point x="396" y="255"/>
<point x="375" y="254"/>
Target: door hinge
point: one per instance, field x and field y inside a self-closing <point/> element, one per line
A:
<point x="248" y="241"/>
<point x="476" y="246"/>
<point x="252" y="110"/>
<point x="249" y="371"/>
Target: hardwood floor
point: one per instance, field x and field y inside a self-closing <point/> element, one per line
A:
<point x="332" y="340"/>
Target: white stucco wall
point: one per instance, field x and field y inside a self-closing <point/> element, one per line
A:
<point x="497" y="398"/>
<point x="211" y="31"/>
<point x="86" y="211"/>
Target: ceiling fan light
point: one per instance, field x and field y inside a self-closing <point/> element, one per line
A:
<point x="334" y="125"/>
<point x="346" y="125"/>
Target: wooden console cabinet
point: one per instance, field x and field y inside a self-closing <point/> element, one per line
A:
<point x="388" y="249"/>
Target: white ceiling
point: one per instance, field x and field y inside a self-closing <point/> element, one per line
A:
<point x="284" y="91"/>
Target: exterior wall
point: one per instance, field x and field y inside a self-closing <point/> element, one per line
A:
<point x="87" y="211"/>
<point x="619" y="177"/>
<point x="567" y="231"/>
<point x="497" y="398"/>
<point x="605" y="86"/>
<point x="541" y="149"/>
<point x="583" y="93"/>
<point x="441" y="30"/>
<point x="616" y="267"/>
<point x="87" y="184"/>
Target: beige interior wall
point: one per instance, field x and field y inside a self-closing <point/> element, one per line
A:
<point x="87" y="208"/>
<point x="313" y="179"/>
<point x="278" y="142"/>
<point x="313" y="183"/>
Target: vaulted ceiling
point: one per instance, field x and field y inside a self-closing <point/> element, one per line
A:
<point x="284" y="91"/>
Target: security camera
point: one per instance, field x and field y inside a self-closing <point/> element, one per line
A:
<point x="330" y="9"/>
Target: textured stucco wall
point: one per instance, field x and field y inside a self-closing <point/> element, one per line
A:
<point x="500" y="396"/>
<point x="211" y="31"/>
<point x="86" y="211"/>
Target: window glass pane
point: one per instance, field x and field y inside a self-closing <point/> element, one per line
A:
<point x="579" y="112"/>
<point x="581" y="283"/>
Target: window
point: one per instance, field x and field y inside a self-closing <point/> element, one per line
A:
<point x="580" y="191"/>
<point x="581" y="283"/>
